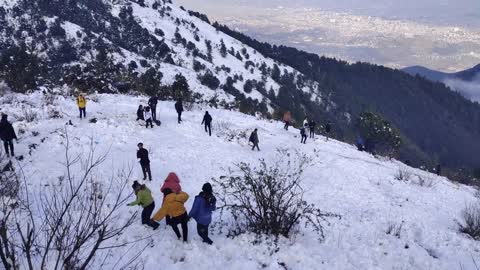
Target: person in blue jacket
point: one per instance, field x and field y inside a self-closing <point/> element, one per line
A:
<point x="203" y="206"/>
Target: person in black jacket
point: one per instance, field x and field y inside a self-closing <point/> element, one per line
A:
<point x="152" y="103"/>
<point x="254" y="139"/>
<point x="179" y="109"/>
<point x="328" y="128"/>
<point x="142" y="156"/>
<point x="304" y="135"/>
<point x="7" y="134"/>
<point x="207" y="120"/>
<point x="311" y="127"/>
<point x="140" y="113"/>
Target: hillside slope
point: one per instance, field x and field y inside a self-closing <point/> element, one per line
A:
<point x="359" y="187"/>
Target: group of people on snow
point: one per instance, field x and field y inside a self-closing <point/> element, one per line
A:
<point x="307" y="129"/>
<point x="173" y="207"/>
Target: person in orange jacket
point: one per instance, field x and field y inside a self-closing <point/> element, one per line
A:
<point x="173" y="206"/>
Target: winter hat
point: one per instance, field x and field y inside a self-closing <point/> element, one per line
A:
<point x="207" y="188"/>
<point x="135" y="184"/>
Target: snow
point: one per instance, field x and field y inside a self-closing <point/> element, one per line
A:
<point x="353" y="184"/>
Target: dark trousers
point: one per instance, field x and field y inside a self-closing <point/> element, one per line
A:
<point x="202" y="230"/>
<point x="146" y="170"/>
<point x="154" y="112"/>
<point x="183" y="221"/>
<point x="312" y="133"/>
<point x="209" y="127"/>
<point x="304" y="138"/>
<point x="255" y="144"/>
<point x="82" y="111"/>
<point x="287" y="124"/>
<point x="8" y="144"/>
<point x="149" y="122"/>
<point x="147" y="213"/>
<point x="179" y="116"/>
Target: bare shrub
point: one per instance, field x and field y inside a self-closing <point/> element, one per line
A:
<point x="28" y="114"/>
<point x="224" y="129"/>
<point x="53" y="113"/>
<point x="48" y="99"/>
<point x="403" y="174"/>
<point x="395" y="229"/>
<point x="424" y="181"/>
<point x="471" y="221"/>
<point x="267" y="199"/>
<point x="71" y="224"/>
<point x="477" y="193"/>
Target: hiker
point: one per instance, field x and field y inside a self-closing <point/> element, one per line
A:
<point x="179" y="109"/>
<point x="152" y="103"/>
<point x="140" y="113"/>
<point x="304" y="135"/>
<point x="172" y="182"/>
<point x="328" y="128"/>
<point x="438" y="169"/>
<point x="82" y="104"/>
<point x="142" y="156"/>
<point x="145" y="200"/>
<point x="207" y="120"/>
<point x="311" y="127"/>
<point x="287" y="117"/>
<point x="173" y="207"/>
<point x="148" y="117"/>
<point x="201" y="211"/>
<point x="7" y="134"/>
<point x="305" y="123"/>
<point x="254" y="139"/>
<point x="360" y="144"/>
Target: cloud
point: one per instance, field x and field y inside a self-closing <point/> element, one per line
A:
<point x="469" y="89"/>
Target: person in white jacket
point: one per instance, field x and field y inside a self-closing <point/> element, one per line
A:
<point x="148" y="117"/>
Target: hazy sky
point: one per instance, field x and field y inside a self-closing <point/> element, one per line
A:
<point x="439" y="34"/>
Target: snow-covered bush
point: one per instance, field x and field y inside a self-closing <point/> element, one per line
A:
<point x="477" y="193"/>
<point x="471" y="221"/>
<point x="424" y="181"/>
<point x="28" y="114"/>
<point x="267" y="198"/>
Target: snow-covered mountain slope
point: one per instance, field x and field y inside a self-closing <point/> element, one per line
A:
<point x="107" y="46"/>
<point x="357" y="186"/>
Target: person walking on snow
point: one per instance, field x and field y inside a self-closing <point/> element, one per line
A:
<point x="148" y="117"/>
<point x="207" y="120"/>
<point x="254" y="139"/>
<point x="152" y="103"/>
<point x="142" y="156"/>
<point x="140" y="113"/>
<point x="82" y="105"/>
<point x="304" y="135"/>
<point x="7" y="134"/>
<point x="173" y="206"/>
<point x="145" y="200"/>
<point x="305" y="123"/>
<point x="203" y="206"/>
<point x="287" y="117"/>
<point x="328" y="128"/>
<point x="179" y="109"/>
<point x="311" y="127"/>
<point x="172" y="182"/>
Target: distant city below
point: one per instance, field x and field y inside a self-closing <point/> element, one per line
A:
<point x="442" y="35"/>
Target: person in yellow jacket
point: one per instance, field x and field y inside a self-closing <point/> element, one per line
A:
<point x="173" y="206"/>
<point x="82" y="104"/>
